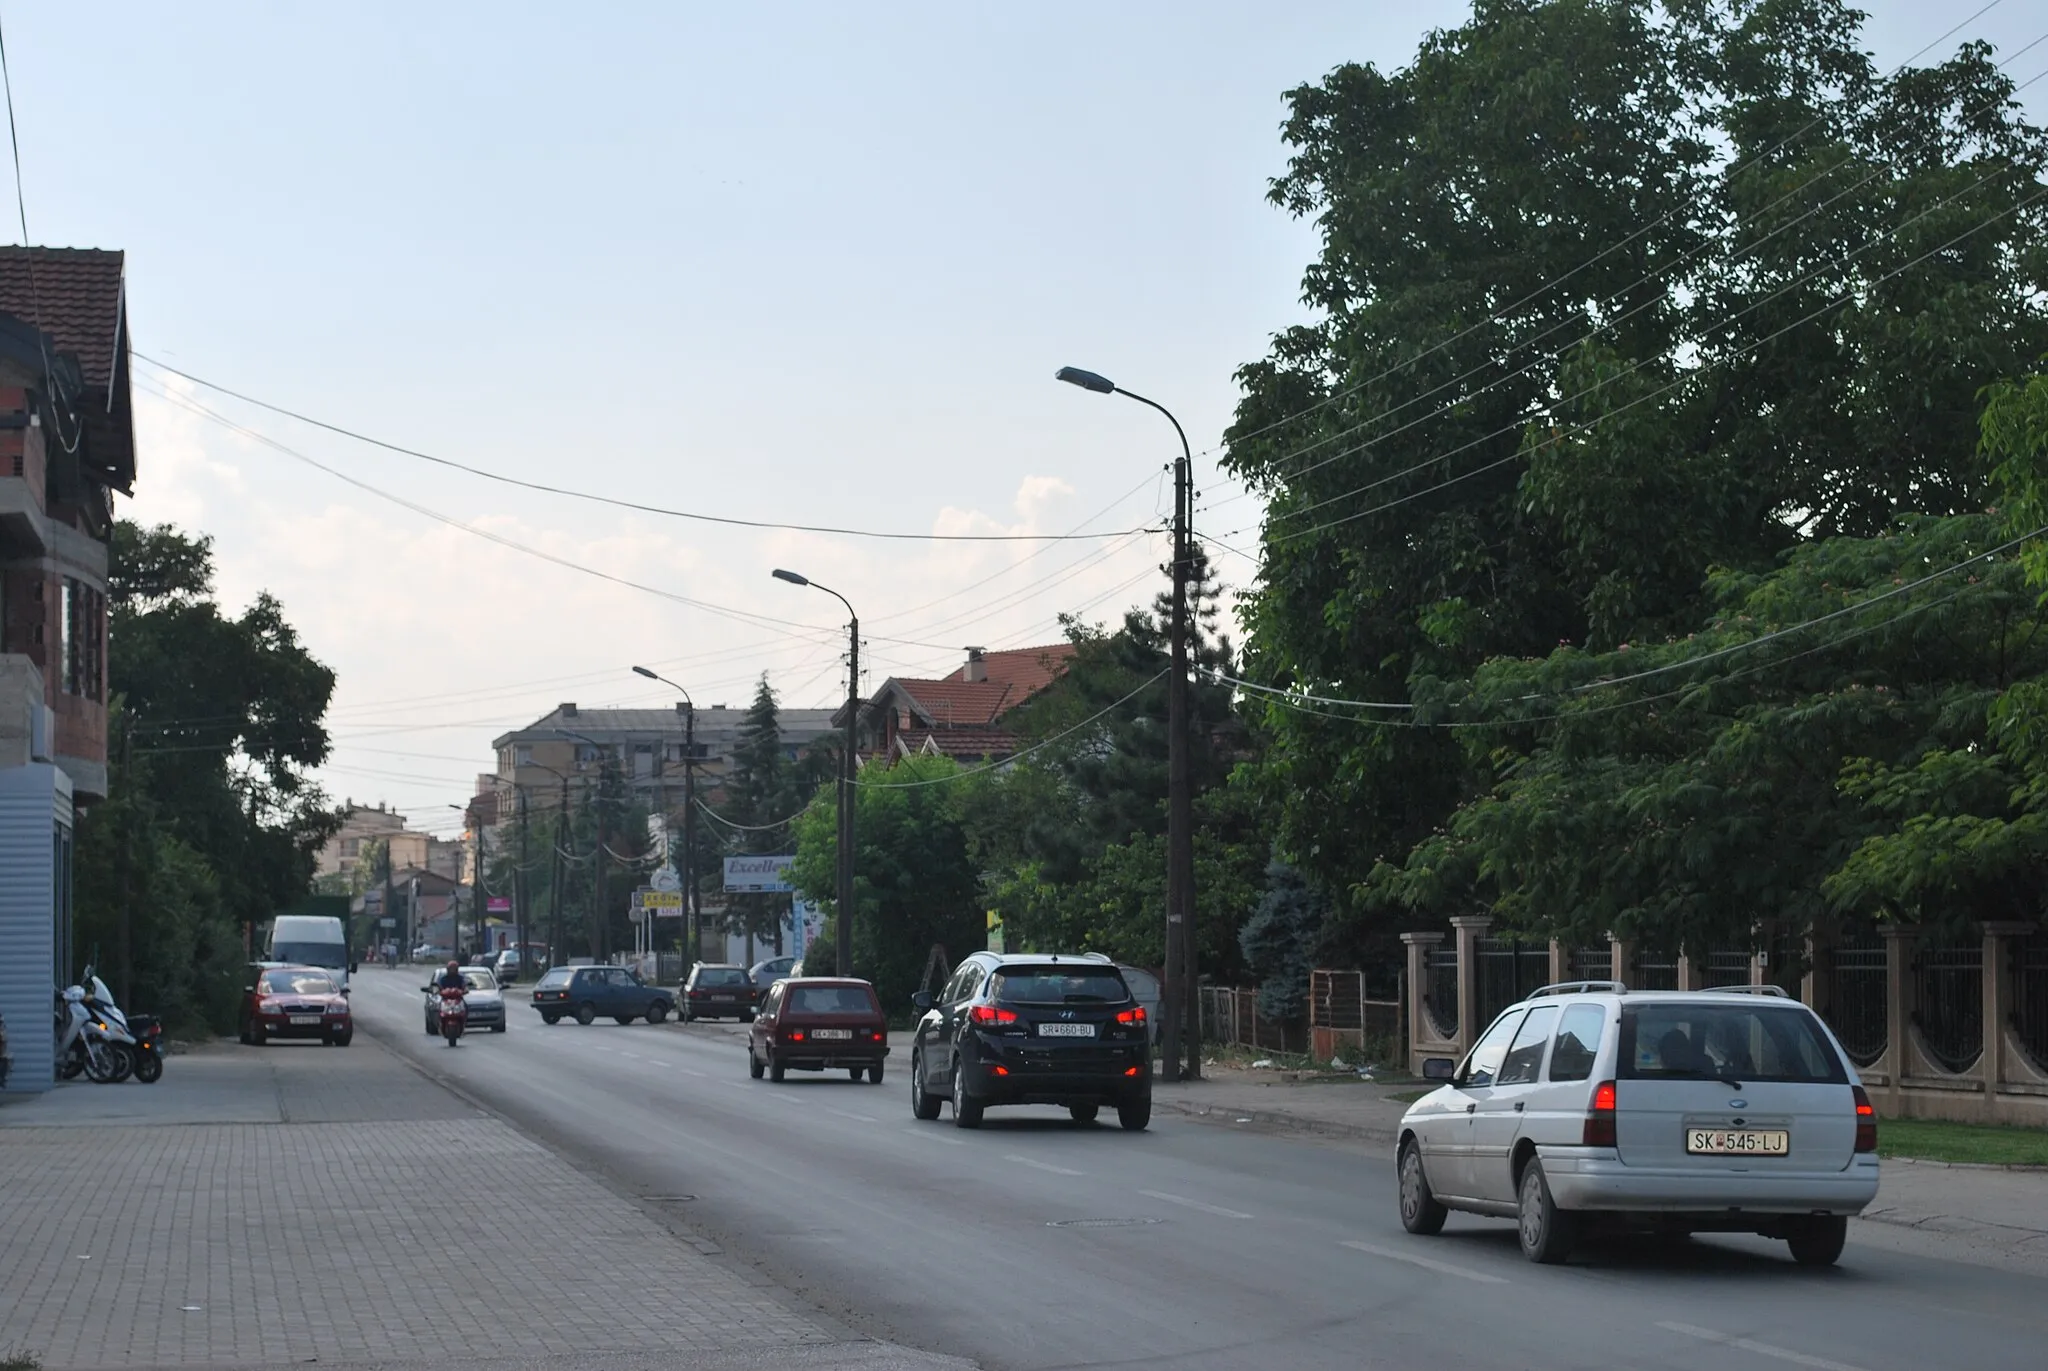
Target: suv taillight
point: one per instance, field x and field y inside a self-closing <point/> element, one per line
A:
<point x="1599" y="1130"/>
<point x="1132" y="1016"/>
<point x="990" y="1016"/>
<point x="1866" y="1123"/>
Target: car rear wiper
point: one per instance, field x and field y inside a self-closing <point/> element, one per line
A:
<point x="1698" y="1075"/>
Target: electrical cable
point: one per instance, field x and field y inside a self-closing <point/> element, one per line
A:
<point x="758" y="828"/>
<point x="616" y="503"/>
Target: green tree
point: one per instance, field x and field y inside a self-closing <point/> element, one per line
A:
<point x="1281" y="940"/>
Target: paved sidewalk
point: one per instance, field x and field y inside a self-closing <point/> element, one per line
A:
<point x="260" y="1207"/>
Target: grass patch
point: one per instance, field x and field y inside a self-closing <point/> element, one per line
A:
<point x="1936" y="1140"/>
<point x="19" y="1361"/>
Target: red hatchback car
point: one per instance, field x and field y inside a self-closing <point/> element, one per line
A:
<point x="818" y="1023"/>
<point x="295" y="1002"/>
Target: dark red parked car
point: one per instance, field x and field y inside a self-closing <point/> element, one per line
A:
<point x="818" y="1023"/>
<point x="718" y="990"/>
<point x="295" y="1002"/>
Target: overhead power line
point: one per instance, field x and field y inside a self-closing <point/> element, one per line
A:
<point x="663" y="511"/>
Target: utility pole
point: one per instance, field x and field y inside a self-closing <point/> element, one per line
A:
<point x="849" y="770"/>
<point x="521" y="915"/>
<point x="691" y="932"/>
<point x="561" y="874"/>
<point x="1180" y="995"/>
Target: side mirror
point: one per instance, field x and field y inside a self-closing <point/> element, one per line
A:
<point x="922" y="999"/>
<point x="426" y="990"/>
<point x="344" y="991"/>
<point x="1438" y="1068"/>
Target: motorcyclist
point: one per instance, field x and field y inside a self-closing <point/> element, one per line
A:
<point x="451" y="979"/>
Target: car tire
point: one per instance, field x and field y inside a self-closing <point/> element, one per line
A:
<point x="754" y="1067"/>
<point x="923" y="1104"/>
<point x="623" y="1019"/>
<point x="344" y="1039"/>
<point x="1817" y="1240"/>
<point x="550" y="1018"/>
<point x="256" y="1038"/>
<point x="1546" y="1232"/>
<point x="501" y="1027"/>
<point x="875" y="1074"/>
<point x="966" y="1109"/>
<point x="747" y="1017"/>
<point x="1135" y="1115"/>
<point x="1083" y="1113"/>
<point x="433" y="1029"/>
<point x="775" y="1071"/>
<point x="1420" y="1212"/>
<point x="586" y="1014"/>
<point x="657" y="1012"/>
<point x="853" y="1073"/>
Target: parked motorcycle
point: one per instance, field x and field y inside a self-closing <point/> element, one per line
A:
<point x="145" y="1029"/>
<point x="454" y="1014"/>
<point x="90" y="1043"/>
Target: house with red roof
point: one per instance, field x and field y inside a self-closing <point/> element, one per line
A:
<point x="962" y="715"/>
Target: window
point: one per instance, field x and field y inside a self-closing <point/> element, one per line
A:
<point x="82" y="624"/>
<point x="522" y="755"/>
<point x="1486" y="1056"/>
<point x="585" y="754"/>
<point x="350" y="847"/>
<point x="721" y="975"/>
<point x="298" y="983"/>
<point x="1061" y="984"/>
<point x="1738" y="1042"/>
<point x="832" y="999"/>
<point x="1578" y="1042"/>
<point x="964" y="983"/>
<point x="1525" y="1058"/>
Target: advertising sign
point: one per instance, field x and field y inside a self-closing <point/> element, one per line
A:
<point x="665" y="904"/>
<point x="757" y="875"/>
<point x="498" y="904"/>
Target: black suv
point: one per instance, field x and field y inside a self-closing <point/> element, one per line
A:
<point x="1032" y="1029"/>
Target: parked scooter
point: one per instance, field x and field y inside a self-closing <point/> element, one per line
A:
<point x="145" y="1031"/>
<point x="454" y="1014"/>
<point x="91" y="1044"/>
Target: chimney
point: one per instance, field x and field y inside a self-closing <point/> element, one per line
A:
<point x="977" y="666"/>
<point x="567" y="711"/>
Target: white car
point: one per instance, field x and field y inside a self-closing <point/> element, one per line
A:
<point x="1590" y="1106"/>
<point x="484" y="1002"/>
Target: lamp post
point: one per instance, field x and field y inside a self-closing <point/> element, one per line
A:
<point x="600" y="915"/>
<point x="1178" y="996"/>
<point x="691" y="931"/>
<point x="844" y="950"/>
<point x="555" y="868"/>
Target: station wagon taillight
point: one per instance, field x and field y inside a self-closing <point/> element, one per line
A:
<point x="990" y="1016"/>
<point x="1599" y="1130"/>
<point x="1866" y="1123"/>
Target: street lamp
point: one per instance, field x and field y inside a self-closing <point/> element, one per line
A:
<point x="1178" y="1000"/>
<point x="691" y="931"/>
<point x="600" y="915"/>
<point x="844" y="950"/>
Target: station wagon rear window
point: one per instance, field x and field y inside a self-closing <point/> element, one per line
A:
<point x="831" y="999"/>
<point x="1743" y="1041"/>
<point x="721" y="975"/>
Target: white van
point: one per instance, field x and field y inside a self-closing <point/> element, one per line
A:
<point x="310" y="940"/>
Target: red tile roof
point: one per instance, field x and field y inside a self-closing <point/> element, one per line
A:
<point x="1030" y="669"/>
<point x="967" y="743"/>
<point x="75" y="296"/>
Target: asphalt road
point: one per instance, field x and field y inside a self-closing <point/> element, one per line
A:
<point x="1035" y="1243"/>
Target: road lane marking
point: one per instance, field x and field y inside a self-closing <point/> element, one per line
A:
<point x="687" y="1072"/>
<point x="1762" y="1349"/>
<point x="1206" y="1208"/>
<point x="1428" y="1263"/>
<point x="936" y="1137"/>
<point x="1023" y="1160"/>
<point x="849" y="1114"/>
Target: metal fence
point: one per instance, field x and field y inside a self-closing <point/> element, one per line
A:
<point x="1230" y="1014"/>
<point x="1593" y="963"/>
<point x="1440" y="991"/>
<point x="2030" y="997"/>
<point x="1508" y="970"/>
<point x="1854" y="1001"/>
<point x="1340" y="1016"/>
<point x="1655" y="971"/>
<point x="1724" y="968"/>
<point x="1950" y="1002"/>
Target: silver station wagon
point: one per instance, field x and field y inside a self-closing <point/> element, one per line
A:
<point x="1589" y="1106"/>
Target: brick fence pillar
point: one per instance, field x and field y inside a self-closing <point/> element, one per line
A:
<point x="1469" y="929"/>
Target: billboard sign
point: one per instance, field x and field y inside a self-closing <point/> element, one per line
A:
<point x="757" y="875"/>
<point x="498" y="904"/>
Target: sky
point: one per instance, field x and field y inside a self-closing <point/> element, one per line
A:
<point x="807" y="263"/>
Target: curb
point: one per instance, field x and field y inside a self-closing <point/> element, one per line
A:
<point x="1275" y="1118"/>
<point x="2022" y="1168"/>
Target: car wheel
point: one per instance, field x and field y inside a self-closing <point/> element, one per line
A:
<point x="923" y="1105"/>
<point x="754" y="1067"/>
<point x="775" y="1071"/>
<point x="747" y="1017"/>
<point x="344" y="1039"/>
<point x="586" y="1014"/>
<point x="1420" y="1212"/>
<point x="551" y="1018"/>
<point x="501" y="1027"/>
<point x="966" y="1109"/>
<point x="1817" y="1241"/>
<point x="241" y="1036"/>
<point x="623" y="1019"/>
<point x="1545" y="1230"/>
<point x="657" y="1012"/>
<point x="256" y="1038"/>
<point x="875" y="1074"/>
<point x="853" y="1072"/>
<point x="1084" y="1113"/>
<point x="433" y="1029"/>
<point x="1135" y="1114"/>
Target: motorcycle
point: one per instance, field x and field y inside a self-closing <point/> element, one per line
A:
<point x="145" y="1030"/>
<point x="91" y="1044"/>
<point x="454" y="1014"/>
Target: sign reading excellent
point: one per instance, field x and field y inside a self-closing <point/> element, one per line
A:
<point x="755" y="875"/>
